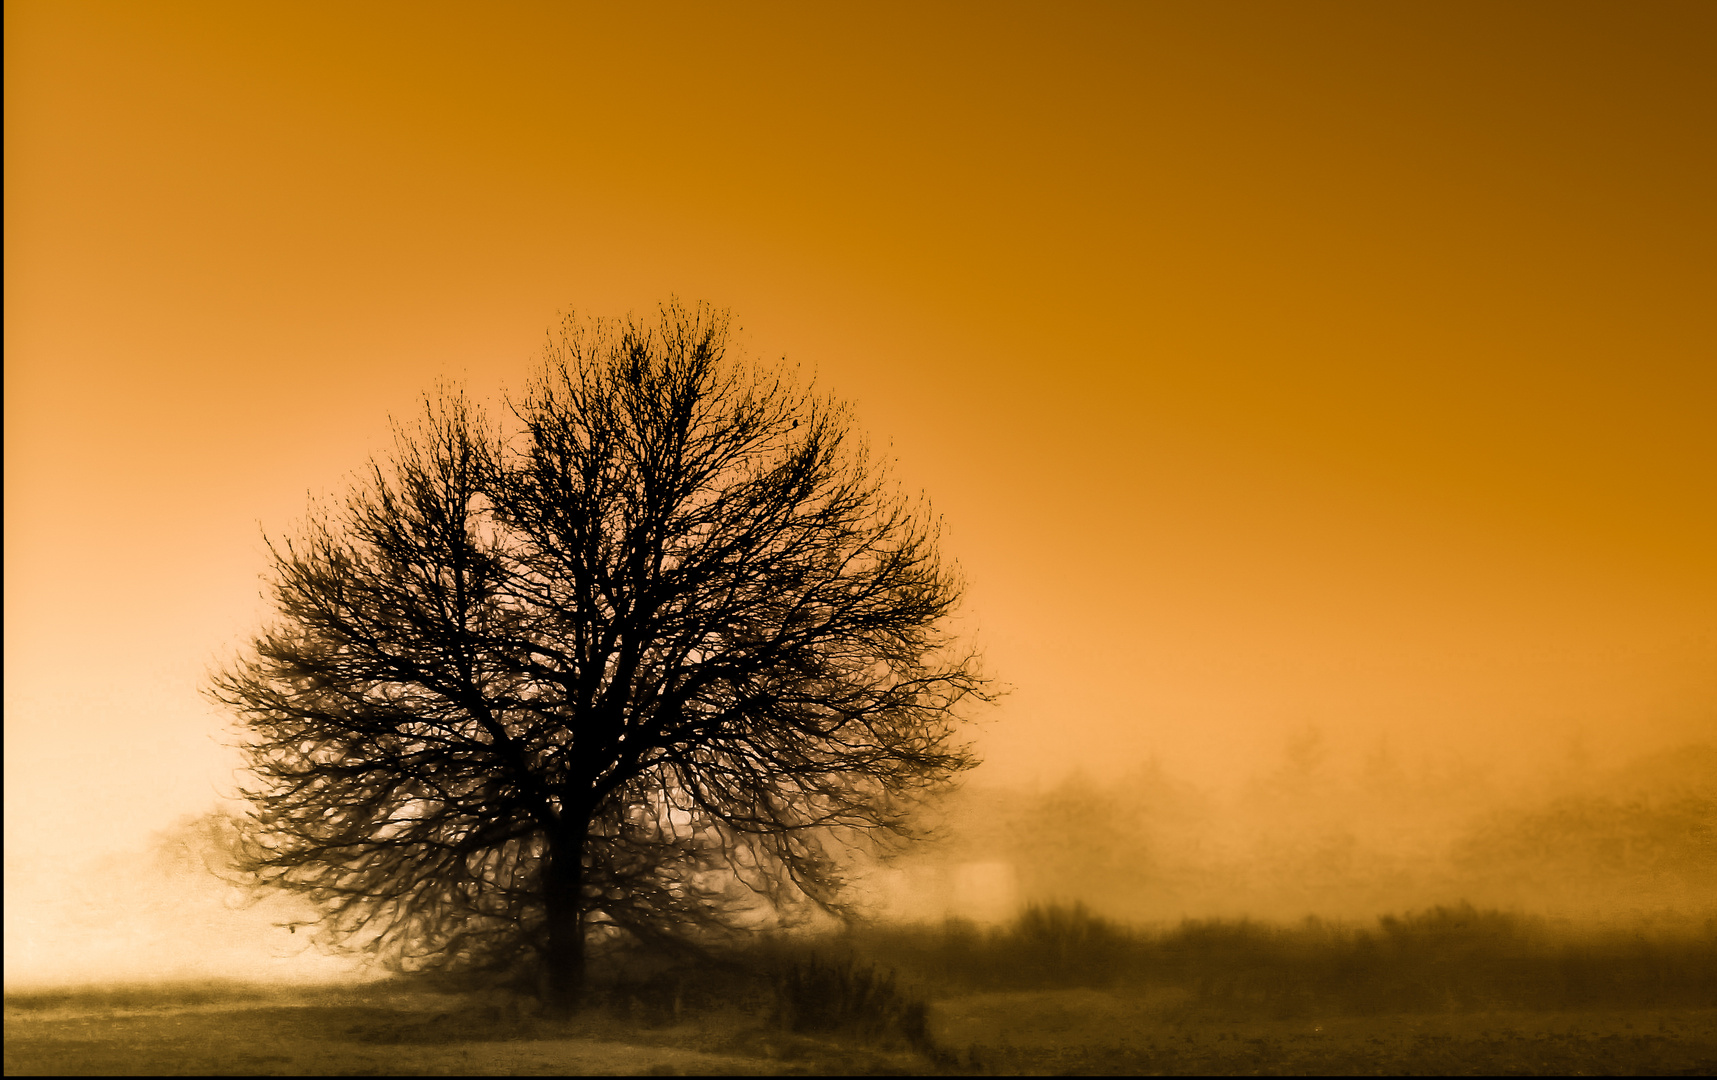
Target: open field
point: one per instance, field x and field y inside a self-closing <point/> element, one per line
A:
<point x="1089" y="1032"/>
<point x="1060" y="1031"/>
<point x="1460" y="992"/>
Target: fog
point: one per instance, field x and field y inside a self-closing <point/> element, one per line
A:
<point x="1575" y="840"/>
<point x="1346" y="837"/>
<point x="162" y="913"/>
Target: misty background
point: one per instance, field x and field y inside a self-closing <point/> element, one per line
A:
<point x="1342" y="838"/>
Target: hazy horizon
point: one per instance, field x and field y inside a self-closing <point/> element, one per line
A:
<point x="1147" y="849"/>
<point x="1341" y="368"/>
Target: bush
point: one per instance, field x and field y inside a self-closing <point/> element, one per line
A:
<point x="827" y="995"/>
<point x="1457" y="957"/>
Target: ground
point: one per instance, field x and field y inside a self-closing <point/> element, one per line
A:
<point x="355" y="1031"/>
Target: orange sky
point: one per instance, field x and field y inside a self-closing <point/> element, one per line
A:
<point x="1272" y="365"/>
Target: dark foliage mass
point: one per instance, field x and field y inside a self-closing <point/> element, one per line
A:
<point x="1444" y="958"/>
<point x="840" y="994"/>
<point x="643" y="665"/>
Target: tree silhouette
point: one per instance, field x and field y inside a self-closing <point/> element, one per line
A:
<point x="651" y="664"/>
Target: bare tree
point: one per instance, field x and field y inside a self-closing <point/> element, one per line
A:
<point x="652" y="664"/>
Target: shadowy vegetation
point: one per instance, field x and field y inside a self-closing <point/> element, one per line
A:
<point x="1445" y="958"/>
<point x="843" y="995"/>
<point x="799" y="986"/>
<point x="1453" y="989"/>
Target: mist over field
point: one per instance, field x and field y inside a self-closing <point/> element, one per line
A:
<point x="1630" y="844"/>
<point x="156" y="915"/>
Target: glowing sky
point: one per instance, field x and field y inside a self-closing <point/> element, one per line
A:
<point x="1271" y="365"/>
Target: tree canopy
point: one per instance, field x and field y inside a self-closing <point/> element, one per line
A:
<point x="645" y="661"/>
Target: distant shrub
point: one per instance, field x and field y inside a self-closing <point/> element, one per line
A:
<point x="1457" y="957"/>
<point x="1447" y="958"/>
<point x="1048" y="946"/>
<point x="691" y="989"/>
<point x="1065" y="946"/>
<point x="823" y="994"/>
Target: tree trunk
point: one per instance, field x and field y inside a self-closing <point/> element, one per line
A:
<point x="563" y="896"/>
